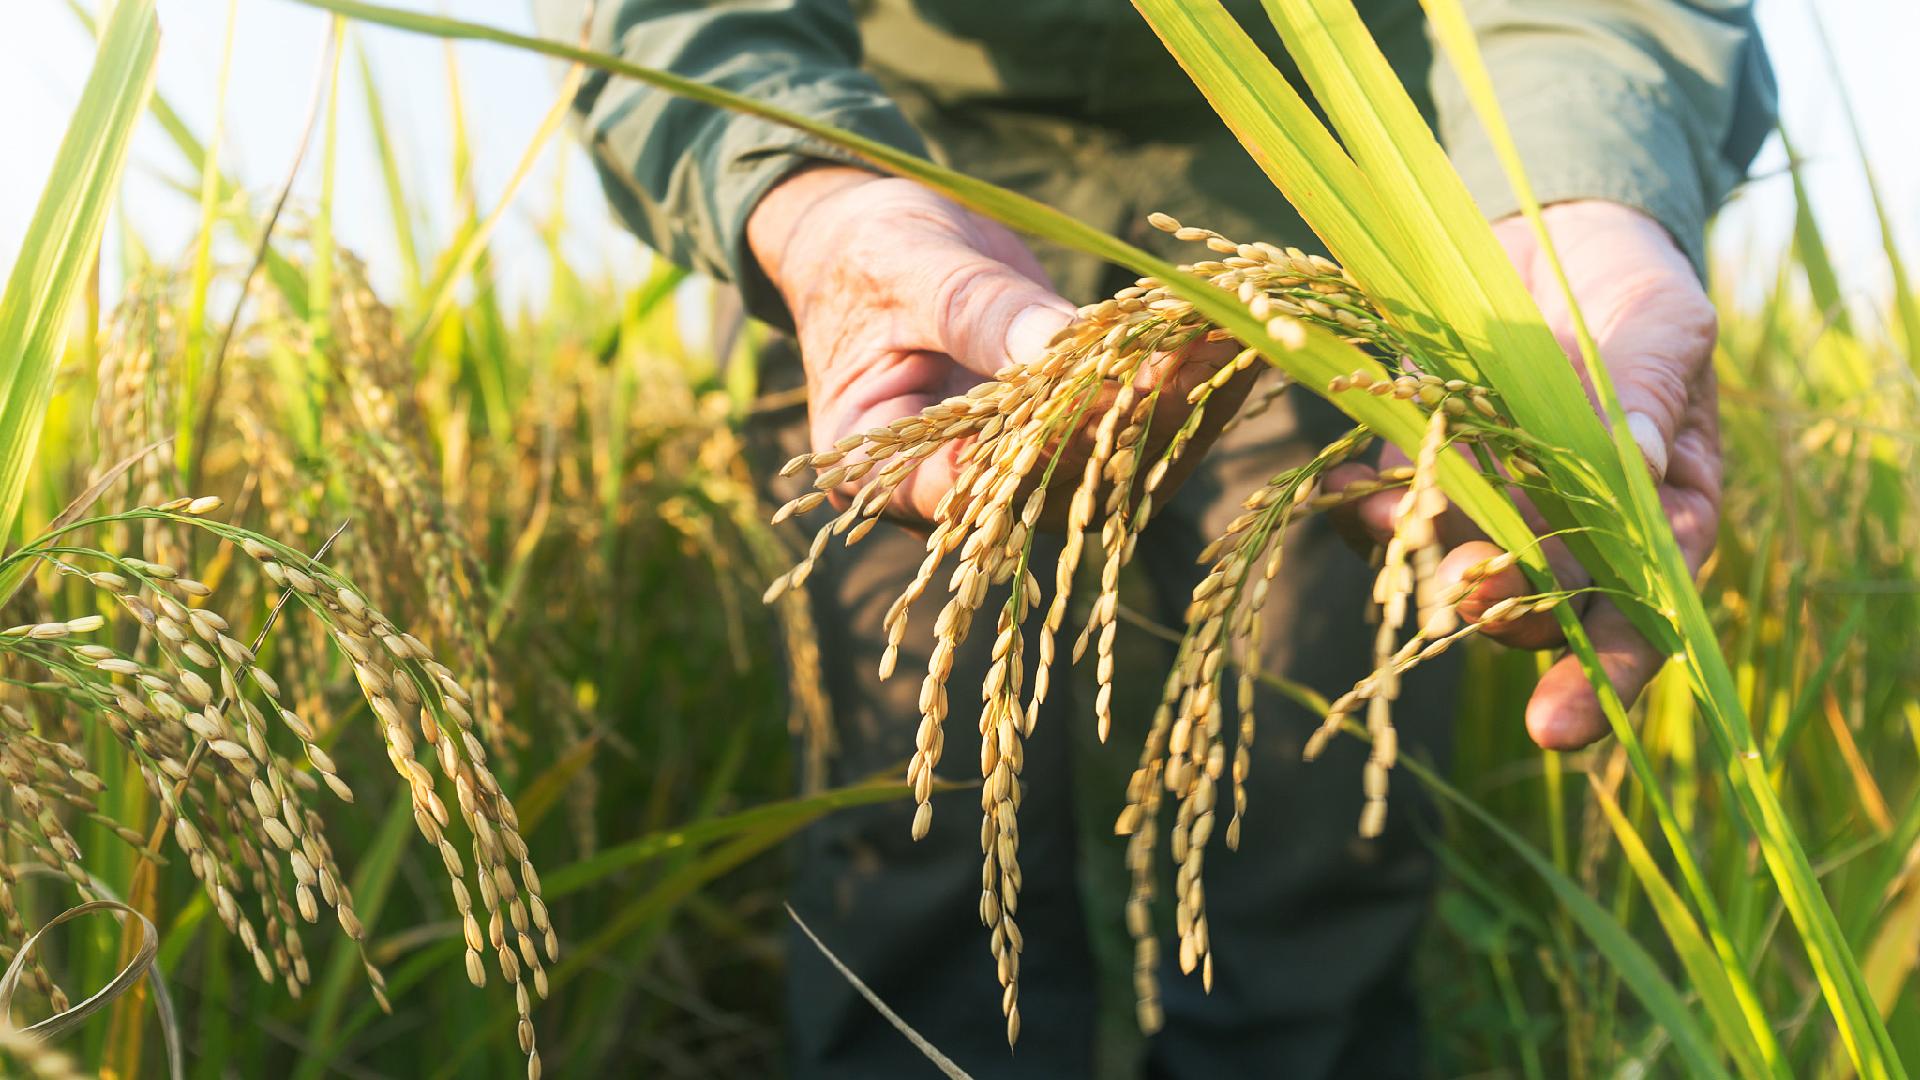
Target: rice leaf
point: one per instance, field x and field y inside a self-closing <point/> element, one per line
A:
<point x="932" y="1053"/>
<point x="790" y="815"/>
<point x="128" y="976"/>
<point x="60" y="244"/>
<point x="399" y="205"/>
<point x="1906" y="304"/>
<point x="1861" y="1027"/>
<point x="1753" y="1049"/>
<point x="1810" y="246"/>
<point x="200" y="278"/>
<point x="286" y="277"/>
<point x="1638" y="969"/>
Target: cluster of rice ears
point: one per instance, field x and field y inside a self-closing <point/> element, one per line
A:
<point x="491" y="500"/>
<point x="202" y="716"/>
<point x="1375" y="186"/>
<point x="661" y="471"/>
<point x="1106" y="372"/>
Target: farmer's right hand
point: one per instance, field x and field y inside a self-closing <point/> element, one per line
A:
<point x="902" y="298"/>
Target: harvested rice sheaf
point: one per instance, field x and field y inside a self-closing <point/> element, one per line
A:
<point x="1099" y="381"/>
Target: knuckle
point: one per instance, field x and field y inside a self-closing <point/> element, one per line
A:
<point x="1658" y="335"/>
<point x="960" y="290"/>
<point x="1659" y="301"/>
<point x="1655" y="384"/>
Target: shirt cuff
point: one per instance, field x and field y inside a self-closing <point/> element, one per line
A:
<point x="1591" y="137"/>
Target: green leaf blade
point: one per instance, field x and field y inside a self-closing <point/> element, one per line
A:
<point x="63" y="238"/>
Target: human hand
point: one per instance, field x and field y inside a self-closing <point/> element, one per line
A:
<point x="902" y="298"/>
<point x="1655" y="329"/>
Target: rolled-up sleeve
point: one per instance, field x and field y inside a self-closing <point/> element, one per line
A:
<point x="684" y="176"/>
<point x="1657" y="104"/>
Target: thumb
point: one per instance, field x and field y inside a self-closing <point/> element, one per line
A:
<point x="986" y="314"/>
<point x="1653" y="358"/>
<point x="1652" y="321"/>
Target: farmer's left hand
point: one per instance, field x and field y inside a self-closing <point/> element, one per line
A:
<point x="1655" y="329"/>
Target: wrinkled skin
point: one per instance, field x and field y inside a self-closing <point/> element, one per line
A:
<point x="901" y="298"/>
<point x="1655" y="329"/>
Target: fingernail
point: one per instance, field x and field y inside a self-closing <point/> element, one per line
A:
<point x="1652" y="446"/>
<point x="1031" y="331"/>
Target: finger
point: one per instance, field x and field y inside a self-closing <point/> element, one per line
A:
<point x="1368" y="519"/>
<point x="1175" y="374"/>
<point x="1656" y="344"/>
<point x="1564" y="713"/>
<point x="986" y="314"/>
<point x="1179" y="373"/>
<point x="1366" y="522"/>
<point x="1692" y="492"/>
<point x="1492" y="580"/>
<point x="1375" y="513"/>
<point x="1652" y="323"/>
<point x="1695" y="518"/>
<point x="905" y="386"/>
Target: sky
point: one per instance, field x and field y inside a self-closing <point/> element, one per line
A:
<point x="45" y="55"/>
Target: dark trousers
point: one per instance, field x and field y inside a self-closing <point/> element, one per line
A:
<point x="1313" y="928"/>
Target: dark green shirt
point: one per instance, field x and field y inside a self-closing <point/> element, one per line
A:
<point x="1658" y="104"/>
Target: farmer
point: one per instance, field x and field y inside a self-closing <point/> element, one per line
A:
<point x="1634" y="121"/>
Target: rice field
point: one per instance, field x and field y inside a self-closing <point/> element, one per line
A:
<point x="364" y="650"/>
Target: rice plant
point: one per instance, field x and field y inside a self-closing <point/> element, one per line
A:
<point x="228" y="746"/>
<point x="184" y="703"/>
<point x="534" y="544"/>
<point x="1449" y="283"/>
